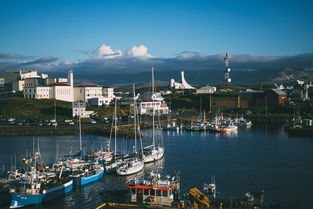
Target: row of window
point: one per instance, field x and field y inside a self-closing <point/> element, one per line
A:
<point x="152" y="192"/>
<point x="36" y="96"/>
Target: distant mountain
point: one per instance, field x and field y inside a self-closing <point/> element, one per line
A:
<point x="193" y="77"/>
<point x="197" y="78"/>
<point x="291" y="74"/>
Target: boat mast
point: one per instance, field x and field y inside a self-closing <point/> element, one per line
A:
<point x="115" y="113"/>
<point x="135" y="118"/>
<point x="55" y="114"/>
<point x="153" y="109"/>
<point x="80" y="130"/>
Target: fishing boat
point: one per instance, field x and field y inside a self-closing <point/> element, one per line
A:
<point x="155" y="190"/>
<point x="210" y="188"/>
<point x="29" y="193"/>
<point x="36" y="187"/>
<point x="136" y="164"/>
<point x="171" y="127"/>
<point x="242" y="122"/>
<point x="87" y="174"/>
<point x="102" y="156"/>
<point x="196" y="125"/>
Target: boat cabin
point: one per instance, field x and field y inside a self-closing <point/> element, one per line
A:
<point x="155" y="191"/>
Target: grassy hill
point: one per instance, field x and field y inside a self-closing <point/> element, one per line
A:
<point x="34" y="109"/>
<point x="41" y="109"/>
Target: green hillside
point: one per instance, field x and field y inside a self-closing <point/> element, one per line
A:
<point x="34" y="109"/>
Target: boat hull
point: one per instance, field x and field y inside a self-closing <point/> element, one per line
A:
<point x="22" y="200"/>
<point x="130" y="171"/>
<point x="82" y="180"/>
<point x="158" y="155"/>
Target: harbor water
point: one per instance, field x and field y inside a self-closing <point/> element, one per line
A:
<point x="262" y="157"/>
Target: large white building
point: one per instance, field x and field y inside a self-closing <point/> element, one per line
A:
<point x="59" y="91"/>
<point x="39" y="92"/>
<point x="63" y="89"/>
<point x="96" y="95"/>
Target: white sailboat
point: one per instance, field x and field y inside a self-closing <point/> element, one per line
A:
<point x="111" y="167"/>
<point x="153" y="153"/>
<point x="136" y="164"/>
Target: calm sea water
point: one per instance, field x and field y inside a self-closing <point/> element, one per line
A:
<point x="263" y="157"/>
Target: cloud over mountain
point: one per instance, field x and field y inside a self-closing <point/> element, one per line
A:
<point x="138" y="51"/>
<point x="107" y="60"/>
<point x="106" y="52"/>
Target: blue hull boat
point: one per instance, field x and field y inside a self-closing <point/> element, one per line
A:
<point x="22" y="200"/>
<point x="82" y="180"/>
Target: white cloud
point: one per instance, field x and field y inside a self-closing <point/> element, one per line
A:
<point x="138" y="51"/>
<point x="106" y="52"/>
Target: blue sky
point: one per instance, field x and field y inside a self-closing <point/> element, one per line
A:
<point x="65" y="28"/>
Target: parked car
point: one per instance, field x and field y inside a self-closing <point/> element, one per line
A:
<point x="91" y="121"/>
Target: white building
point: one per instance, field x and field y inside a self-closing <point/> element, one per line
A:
<point x="150" y="96"/>
<point x="50" y="81"/>
<point x="1" y="82"/>
<point x="96" y="95"/>
<point x="79" y="108"/>
<point x="59" y="91"/>
<point x="62" y="92"/>
<point x="39" y="92"/>
<point x="145" y="107"/>
<point x="206" y="90"/>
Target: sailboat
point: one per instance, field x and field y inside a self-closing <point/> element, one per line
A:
<point x="152" y="152"/>
<point x="136" y="164"/>
<point x="116" y="161"/>
<point x="83" y="172"/>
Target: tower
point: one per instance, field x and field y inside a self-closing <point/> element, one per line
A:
<point x="227" y="78"/>
<point x="70" y="79"/>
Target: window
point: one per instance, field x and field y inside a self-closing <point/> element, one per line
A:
<point x="164" y="193"/>
<point x="133" y="190"/>
<point x="152" y="192"/>
<point x="146" y="192"/>
<point x="158" y="192"/>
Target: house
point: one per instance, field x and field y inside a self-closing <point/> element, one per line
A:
<point x="206" y="90"/>
<point x="145" y="107"/>
<point x="147" y="100"/>
<point x="79" y="108"/>
<point x="1" y="83"/>
<point x="275" y="97"/>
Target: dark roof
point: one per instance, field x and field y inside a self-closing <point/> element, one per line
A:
<point x="148" y="100"/>
<point x="252" y="92"/>
<point x="279" y="92"/>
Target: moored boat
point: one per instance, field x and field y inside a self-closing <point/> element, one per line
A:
<point x="155" y="190"/>
<point x="87" y="174"/>
<point x="27" y="193"/>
